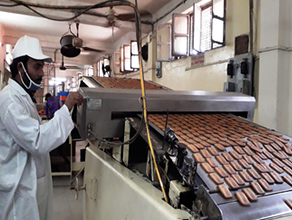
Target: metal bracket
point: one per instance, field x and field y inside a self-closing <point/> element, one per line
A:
<point x="78" y="188"/>
<point x="205" y="205"/>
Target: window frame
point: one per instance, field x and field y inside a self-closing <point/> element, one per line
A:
<point x="175" y="35"/>
<point x="213" y="16"/>
<point x="160" y="43"/>
<point x="132" y="55"/>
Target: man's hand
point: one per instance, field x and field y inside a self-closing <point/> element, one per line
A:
<point x="72" y="99"/>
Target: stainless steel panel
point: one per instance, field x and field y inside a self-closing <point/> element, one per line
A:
<point x="115" y="192"/>
<point x="122" y="101"/>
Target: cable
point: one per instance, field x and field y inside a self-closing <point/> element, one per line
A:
<point x="6" y="5"/>
<point x="86" y="8"/>
<point x="139" y="43"/>
<point x="130" y="141"/>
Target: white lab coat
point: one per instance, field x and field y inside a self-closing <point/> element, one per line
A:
<point x="25" y="143"/>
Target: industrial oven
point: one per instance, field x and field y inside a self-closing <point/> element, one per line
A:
<point x="214" y="161"/>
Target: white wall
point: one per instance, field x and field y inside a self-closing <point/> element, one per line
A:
<point x="210" y="77"/>
<point x="2" y="55"/>
<point x="275" y="81"/>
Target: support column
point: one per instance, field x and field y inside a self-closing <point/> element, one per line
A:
<point x="274" y="99"/>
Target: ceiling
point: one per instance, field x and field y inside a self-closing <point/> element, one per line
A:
<point x="93" y="29"/>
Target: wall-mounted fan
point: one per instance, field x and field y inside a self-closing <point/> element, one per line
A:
<point x="71" y="43"/>
<point x="63" y="67"/>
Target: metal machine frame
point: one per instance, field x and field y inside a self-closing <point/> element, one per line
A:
<point x="106" y="107"/>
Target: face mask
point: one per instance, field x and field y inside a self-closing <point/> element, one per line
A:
<point x="32" y="85"/>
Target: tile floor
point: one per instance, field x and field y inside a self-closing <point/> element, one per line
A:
<point x="65" y="206"/>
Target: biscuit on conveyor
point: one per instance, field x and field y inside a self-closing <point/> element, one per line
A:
<point x="288" y="170"/>
<point x="248" y="159"/>
<point x="229" y="169"/>
<point x="269" y="148"/>
<point x="265" y="185"/>
<point x="205" y="144"/>
<point x="262" y="155"/>
<point x="266" y="167"/>
<point x="235" y="155"/>
<point x="257" y="159"/>
<point x="276" y="177"/>
<point x="248" y="151"/>
<point x="225" y="191"/>
<point x="203" y="138"/>
<point x="287" y="179"/>
<point x="275" y="146"/>
<point x="227" y="157"/>
<point x="254" y="147"/>
<point x="198" y="157"/>
<point x="278" y="162"/>
<point x="242" y="199"/>
<point x="279" y="143"/>
<point x="213" y="151"/>
<point x="268" y="178"/>
<point x="245" y="176"/>
<point x="238" y="150"/>
<point x="259" y="168"/>
<point x="198" y="145"/>
<point x="220" y="147"/>
<point x="231" y="183"/>
<point x="216" y="179"/>
<point x="257" y="188"/>
<point x="287" y="162"/>
<point x="205" y="153"/>
<point x="269" y="155"/>
<point x="221" y="172"/>
<point x="250" y="194"/>
<point x="288" y="150"/>
<point x="221" y="160"/>
<point x="207" y="167"/>
<point x="254" y="174"/>
<point x="191" y="147"/>
<point x="224" y="143"/>
<point x="211" y="162"/>
<point x="281" y="155"/>
<point x="288" y="202"/>
<point x="276" y="168"/>
<point x="238" y="179"/>
<point x="236" y="166"/>
<point x="244" y="164"/>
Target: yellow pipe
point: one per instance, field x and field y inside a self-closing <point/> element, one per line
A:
<point x="145" y="110"/>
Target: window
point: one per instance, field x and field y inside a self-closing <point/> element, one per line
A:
<point x="127" y="58"/>
<point x="208" y="25"/>
<point x="199" y="29"/>
<point x="163" y="46"/>
<point x="134" y="55"/>
<point x="99" y="68"/>
<point x="180" y="34"/>
<point x="117" y="58"/>
<point x="122" y="69"/>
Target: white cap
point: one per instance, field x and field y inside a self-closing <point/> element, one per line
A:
<point x="31" y="47"/>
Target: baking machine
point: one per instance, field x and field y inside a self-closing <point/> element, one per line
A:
<point x="120" y="181"/>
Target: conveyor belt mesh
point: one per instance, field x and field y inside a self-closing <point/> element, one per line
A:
<point x="232" y="151"/>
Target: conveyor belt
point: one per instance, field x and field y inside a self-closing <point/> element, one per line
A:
<point x="121" y="83"/>
<point x="238" y="137"/>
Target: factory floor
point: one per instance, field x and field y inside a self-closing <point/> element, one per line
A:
<point x="65" y="206"/>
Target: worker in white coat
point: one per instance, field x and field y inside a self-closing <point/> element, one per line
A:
<point x="25" y="143"/>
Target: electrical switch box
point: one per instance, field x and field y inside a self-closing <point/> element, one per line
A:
<point x="240" y="74"/>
